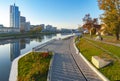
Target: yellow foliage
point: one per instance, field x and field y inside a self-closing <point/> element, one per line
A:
<point x="111" y="16"/>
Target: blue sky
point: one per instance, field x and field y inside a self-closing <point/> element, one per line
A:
<point x="60" y="13"/>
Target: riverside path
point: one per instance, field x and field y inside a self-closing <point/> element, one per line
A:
<point x="67" y="65"/>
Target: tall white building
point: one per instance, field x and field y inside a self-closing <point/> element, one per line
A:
<point x="14" y="16"/>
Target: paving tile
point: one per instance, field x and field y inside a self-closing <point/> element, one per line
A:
<point x="67" y="65"/>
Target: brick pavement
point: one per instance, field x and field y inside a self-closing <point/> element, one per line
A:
<point x="67" y="65"/>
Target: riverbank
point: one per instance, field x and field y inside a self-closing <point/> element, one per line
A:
<point x="70" y="59"/>
<point x="14" y="67"/>
<point x="21" y="35"/>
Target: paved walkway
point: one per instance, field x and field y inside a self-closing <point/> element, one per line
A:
<point x="114" y="44"/>
<point x="67" y="65"/>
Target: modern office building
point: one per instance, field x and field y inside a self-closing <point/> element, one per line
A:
<point x="22" y="23"/>
<point x="1" y="26"/>
<point x="27" y="26"/>
<point x="54" y="29"/>
<point x="22" y="19"/>
<point x="48" y="27"/>
<point x="14" y="16"/>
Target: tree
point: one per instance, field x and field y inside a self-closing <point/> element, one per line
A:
<point x="111" y="16"/>
<point x="36" y="29"/>
<point x="89" y="24"/>
<point x="87" y="21"/>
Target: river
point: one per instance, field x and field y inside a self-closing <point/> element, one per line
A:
<point x="12" y="48"/>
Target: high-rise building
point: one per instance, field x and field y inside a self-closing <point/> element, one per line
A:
<point x="27" y="26"/>
<point x="22" y="23"/>
<point x="14" y="16"/>
<point x="22" y="19"/>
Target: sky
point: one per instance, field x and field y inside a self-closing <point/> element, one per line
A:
<point x="59" y="13"/>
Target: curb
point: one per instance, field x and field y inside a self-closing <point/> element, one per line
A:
<point x="50" y="68"/>
<point x="14" y="68"/>
<point x="89" y="64"/>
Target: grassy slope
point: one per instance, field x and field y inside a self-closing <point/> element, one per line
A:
<point x="88" y="50"/>
<point x="33" y="67"/>
<point x="113" y="49"/>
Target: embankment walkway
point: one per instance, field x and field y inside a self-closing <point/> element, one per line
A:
<point x="67" y="65"/>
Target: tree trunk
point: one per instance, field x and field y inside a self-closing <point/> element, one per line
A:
<point x="117" y="36"/>
<point x="117" y="32"/>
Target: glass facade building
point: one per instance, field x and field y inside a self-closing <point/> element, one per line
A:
<point x="14" y="16"/>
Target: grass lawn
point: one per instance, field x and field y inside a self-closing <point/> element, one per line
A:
<point x="112" y="71"/>
<point x="34" y="66"/>
<point x="113" y="49"/>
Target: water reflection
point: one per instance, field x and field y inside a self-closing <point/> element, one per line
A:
<point x="48" y="36"/>
<point x="12" y="48"/>
<point x="17" y="46"/>
<point x="39" y="38"/>
<point x="22" y="44"/>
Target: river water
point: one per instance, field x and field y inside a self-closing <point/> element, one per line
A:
<point x="12" y="48"/>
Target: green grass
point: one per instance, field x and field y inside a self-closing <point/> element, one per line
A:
<point x="112" y="71"/>
<point x="88" y="50"/>
<point x="113" y="49"/>
<point x="34" y="67"/>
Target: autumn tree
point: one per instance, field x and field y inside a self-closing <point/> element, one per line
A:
<point x="36" y="29"/>
<point x="111" y="15"/>
<point x="89" y="24"/>
<point x="87" y="21"/>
